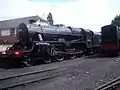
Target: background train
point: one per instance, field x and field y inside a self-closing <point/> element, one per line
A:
<point x="48" y="43"/>
<point x="110" y="40"/>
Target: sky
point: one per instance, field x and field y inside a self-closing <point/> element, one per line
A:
<point x="88" y="14"/>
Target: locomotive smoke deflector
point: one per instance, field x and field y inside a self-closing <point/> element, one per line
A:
<point x="23" y="33"/>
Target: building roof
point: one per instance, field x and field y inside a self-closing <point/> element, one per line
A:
<point x="13" y="23"/>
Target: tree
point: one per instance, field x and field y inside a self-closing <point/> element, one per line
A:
<point x="116" y="21"/>
<point x="50" y="18"/>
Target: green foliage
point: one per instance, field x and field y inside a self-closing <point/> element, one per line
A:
<point x="116" y="21"/>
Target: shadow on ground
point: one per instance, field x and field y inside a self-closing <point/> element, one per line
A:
<point x="101" y="56"/>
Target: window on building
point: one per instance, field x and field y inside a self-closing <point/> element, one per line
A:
<point x="5" y="32"/>
<point x="12" y="32"/>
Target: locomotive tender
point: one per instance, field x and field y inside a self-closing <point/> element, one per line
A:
<point x="49" y="43"/>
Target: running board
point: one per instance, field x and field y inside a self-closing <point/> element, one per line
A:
<point x="68" y="53"/>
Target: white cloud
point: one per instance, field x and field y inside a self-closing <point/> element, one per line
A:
<point x="21" y="8"/>
<point x="85" y="13"/>
<point x="90" y="14"/>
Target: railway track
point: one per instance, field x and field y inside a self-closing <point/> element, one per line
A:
<point x="21" y="79"/>
<point x="26" y="78"/>
<point x="12" y="81"/>
<point x="112" y="85"/>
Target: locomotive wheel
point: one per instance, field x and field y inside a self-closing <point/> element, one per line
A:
<point x="28" y="62"/>
<point x="47" y="61"/>
<point x="72" y="56"/>
<point x="47" y="56"/>
<point x="59" y="57"/>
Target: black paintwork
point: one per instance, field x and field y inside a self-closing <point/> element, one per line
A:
<point x="109" y="34"/>
<point x="109" y="40"/>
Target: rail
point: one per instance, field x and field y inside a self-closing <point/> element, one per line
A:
<point x="112" y="85"/>
<point x="26" y="78"/>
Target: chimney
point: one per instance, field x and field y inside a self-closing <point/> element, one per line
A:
<point x="32" y="21"/>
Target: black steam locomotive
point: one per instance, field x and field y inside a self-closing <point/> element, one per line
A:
<point x="50" y="43"/>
